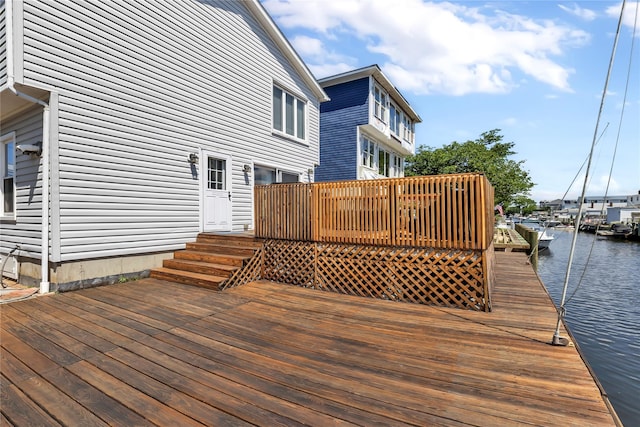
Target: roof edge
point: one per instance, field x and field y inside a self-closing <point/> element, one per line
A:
<point x="375" y="71"/>
<point x="263" y="17"/>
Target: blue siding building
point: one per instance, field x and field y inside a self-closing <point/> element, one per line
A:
<point x="366" y="129"/>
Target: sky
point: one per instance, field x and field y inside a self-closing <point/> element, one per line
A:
<point x="536" y="70"/>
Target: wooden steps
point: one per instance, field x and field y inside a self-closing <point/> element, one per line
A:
<point x="208" y="261"/>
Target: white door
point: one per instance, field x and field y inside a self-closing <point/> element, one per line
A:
<point x="216" y="192"/>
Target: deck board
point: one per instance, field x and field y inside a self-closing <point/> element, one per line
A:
<point x="158" y="353"/>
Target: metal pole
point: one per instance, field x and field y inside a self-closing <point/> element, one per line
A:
<point x="557" y="340"/>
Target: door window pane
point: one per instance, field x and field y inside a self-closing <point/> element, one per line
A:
<point x="217" y="174"/>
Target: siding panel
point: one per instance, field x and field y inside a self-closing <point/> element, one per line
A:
<point x="142" y="85"/>
<point x="25" y="231"/>
<point x="340" y="118"/>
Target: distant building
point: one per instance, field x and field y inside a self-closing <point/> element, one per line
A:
<point x="367" y="129"/>
<point x="594" y="205"/>
<point x="626" y="215"/>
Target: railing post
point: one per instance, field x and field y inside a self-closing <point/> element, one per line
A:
<point x="393" y="225"/>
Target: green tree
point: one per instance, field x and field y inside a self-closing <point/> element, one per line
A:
<point x="522" y="205"/>
<point x="487" y="154"/>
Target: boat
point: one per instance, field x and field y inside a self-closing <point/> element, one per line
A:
<point x="544" y="239"/>
<point x="614" y="231"/>
<point x="635" y="232"/>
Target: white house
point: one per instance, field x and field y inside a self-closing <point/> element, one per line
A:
<point x="145" y="123"/>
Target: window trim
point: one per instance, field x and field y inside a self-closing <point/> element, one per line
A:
<point x="6" y="139"/>
<point x="371" y="152"/>
<point x="297" y="102"/>
<point x="382" y="153"/>
<point x="383" y="103"/>
<point x="398" y="166"/>
<point x="407" y="128"/>
<point x="278" y="172"/>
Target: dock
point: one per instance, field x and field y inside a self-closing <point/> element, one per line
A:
<point x="152" y="352"/>
<point x="508" y="239"/>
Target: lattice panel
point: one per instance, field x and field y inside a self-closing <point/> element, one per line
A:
<point x="428" y="276"/>
<point x="289" y="262"/>
<point x="250" y="272"/>
<point x="452" y="278"/>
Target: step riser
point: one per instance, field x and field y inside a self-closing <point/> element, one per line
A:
<point x="248" y="242"/>
<point x="176" y="264"/>
<point x="219" y="249"/>
<point x="217" y="256"/>
<point x="176" y="277"/>
<point x="206" y="257"/>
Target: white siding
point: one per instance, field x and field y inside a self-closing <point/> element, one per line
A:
<point x="3" y="44"/>
<point x="25" y="231"/>
<point x="141" y="85"/>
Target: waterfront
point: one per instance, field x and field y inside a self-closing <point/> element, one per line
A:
<point x="604" y="314"/>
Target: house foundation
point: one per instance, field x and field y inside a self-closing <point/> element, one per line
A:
<point x="72" y="275"/>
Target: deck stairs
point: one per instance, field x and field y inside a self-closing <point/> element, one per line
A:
<point x="208" y="261"/>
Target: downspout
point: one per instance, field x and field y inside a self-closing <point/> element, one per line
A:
<point x="44" y="245"/>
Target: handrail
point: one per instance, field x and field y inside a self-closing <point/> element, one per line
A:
<point x="442" y="211"/>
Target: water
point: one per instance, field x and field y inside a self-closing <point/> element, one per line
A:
<point x="604" y="314"/>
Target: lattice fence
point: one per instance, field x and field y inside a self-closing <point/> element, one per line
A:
<point x="444" y="277"/>
<point x="291" y="262"/>
<point x="250" y="272"/>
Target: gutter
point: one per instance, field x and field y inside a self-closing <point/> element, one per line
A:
<point x="44" y="245"/>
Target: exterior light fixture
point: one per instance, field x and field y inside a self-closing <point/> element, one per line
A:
<point x="35" y="149"/>
<point x="246" y="168"/>
<point x="193" y="158"/>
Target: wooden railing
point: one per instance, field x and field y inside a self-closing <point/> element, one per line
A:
<point x="445" y="211"/>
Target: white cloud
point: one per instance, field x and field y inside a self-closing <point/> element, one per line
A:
<point x="438" y="47"/>
<point x="321" y="61"/>
<point x="629" y="16"/>
<point x="586" y="14"/>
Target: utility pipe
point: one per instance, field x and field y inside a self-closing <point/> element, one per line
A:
<point x="44" y="245"/>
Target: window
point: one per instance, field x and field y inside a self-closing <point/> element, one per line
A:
<point x="408" y="129"/>
<point x="217" y="174"/>
<point x="368" y="152"/>
<point x="289" y="113"/>
<point x="7" y="173"/>
<point x="394" y="119"/>
<point x="383" y="162"/>
<point x="380" y="98"/>
<point x="266" y="175"/>
<point x="398" y="166"/>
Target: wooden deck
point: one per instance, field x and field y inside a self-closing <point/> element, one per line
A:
<point x="158" y="353"/>
<point x="508" y="239"/>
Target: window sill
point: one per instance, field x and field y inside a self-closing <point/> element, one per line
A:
<point x="7" y="219"/>
<point x="289" y="137"/>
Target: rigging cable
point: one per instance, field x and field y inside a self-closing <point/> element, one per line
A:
<point x="557" y="340"/>
<point x="615" y="150"/>
<point x="564" y="196"/>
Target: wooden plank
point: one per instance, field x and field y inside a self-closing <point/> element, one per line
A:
<point x="157" y="411"/>
<point x="247" y="375"/>
<point x="235" y="399"/>
<point x="275" y="354"/>
<point x="20" y="410"/>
